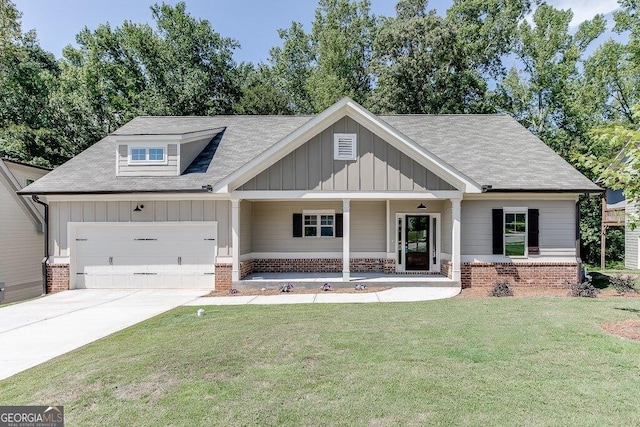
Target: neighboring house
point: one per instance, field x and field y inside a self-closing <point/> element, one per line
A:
<point x="204" y="201"/>
<point x="21" y="232"/>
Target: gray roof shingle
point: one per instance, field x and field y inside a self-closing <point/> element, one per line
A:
<point x="490" y="149"/>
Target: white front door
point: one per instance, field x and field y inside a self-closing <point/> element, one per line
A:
<point x="143" y="255"/>
<point x="418" y="237"/>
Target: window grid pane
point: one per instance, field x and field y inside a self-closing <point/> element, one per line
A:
<point x="156" y="154"/>
<point x="138" y="154"/>
<point x="515" y="227"/>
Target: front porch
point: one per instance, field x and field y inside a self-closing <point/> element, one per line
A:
<point x="316" y="280"/>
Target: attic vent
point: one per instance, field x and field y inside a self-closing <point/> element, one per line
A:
<point x="345" y="146"/>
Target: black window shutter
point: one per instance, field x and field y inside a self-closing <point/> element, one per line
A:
<point x="498" y="231"/>
<point x="533" y="231"/>
<point x="297" y="225"/>
<point x="339" y="222"/>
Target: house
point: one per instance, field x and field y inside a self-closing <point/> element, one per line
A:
<point x="21" y="233"/>
<point x="205" y="201"/>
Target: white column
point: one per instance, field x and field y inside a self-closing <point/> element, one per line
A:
<point x="388" y="227"/>
<point x="235" y="239"/>
<point x="455" y="239"/>
<point x="346" y="237"/>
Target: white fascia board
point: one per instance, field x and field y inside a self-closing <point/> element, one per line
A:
<point x="320" y="122"/>
<point x="523" y="196"/>
<point x="341" y="195"/>
<point x="176" y="139"/>
<point x="133" y="197"/>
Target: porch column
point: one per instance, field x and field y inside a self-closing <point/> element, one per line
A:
<point x="455" y="239"/>
<point x="235" y="240"/>
<point x="346" y="237"/>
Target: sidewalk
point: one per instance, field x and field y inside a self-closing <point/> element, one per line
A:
<point x="399" y="294"/>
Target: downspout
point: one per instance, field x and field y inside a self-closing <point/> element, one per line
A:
<point x="46" y="242"/>
<point x="578" y="239"/>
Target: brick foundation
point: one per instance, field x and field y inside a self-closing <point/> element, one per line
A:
<point x="446" y="268"/>
<point x="323" y="265"/>
<point x="556" y="275"/>
<point x="246" y="268"/>
<point x="223" y="277"/>
<point x="57" y="278"/>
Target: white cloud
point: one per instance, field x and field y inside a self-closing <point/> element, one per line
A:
<point x="585" y="9"/>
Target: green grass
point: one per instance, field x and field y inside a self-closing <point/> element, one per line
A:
<point x="490" y="362"/>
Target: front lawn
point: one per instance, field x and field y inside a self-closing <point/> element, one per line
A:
<point x="506" y="361"/>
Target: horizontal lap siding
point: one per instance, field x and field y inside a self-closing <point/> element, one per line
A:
<point x="272" y="227"/>
<point x="379" y="166"/>
<point x="21" y="247"/>
<point x="122" y="211"/>
<point x="631" y="238"/>
<point x="246" y="236"/>
<point x="557" y="225"/>
<point x="170" y="169"/>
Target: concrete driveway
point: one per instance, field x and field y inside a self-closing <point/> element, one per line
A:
<point x="35" y="331"/>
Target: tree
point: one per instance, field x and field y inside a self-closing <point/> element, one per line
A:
<point x="260" y="93"/>
<point x="421" y="66"/>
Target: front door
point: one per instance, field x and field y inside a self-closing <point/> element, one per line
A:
<point x="417" y="242"/>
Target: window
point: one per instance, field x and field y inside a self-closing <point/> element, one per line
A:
<point x="515" y="234"/>
<point x="319" y="225"/>
<point x="148" y="155"/>
<point x="345" y="146"/>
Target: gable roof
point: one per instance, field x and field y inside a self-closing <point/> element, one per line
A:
<point x="476" y="150"/>
<point x="29" y="206"/>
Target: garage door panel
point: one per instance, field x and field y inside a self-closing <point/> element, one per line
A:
<point x="173" y="256"/>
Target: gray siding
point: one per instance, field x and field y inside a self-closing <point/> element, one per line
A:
<point x="557" y="225"/>
<point x="246" y="236"/>
<point x="170" y="169"/>
<point x="379" y="166"/>
<point x="21" y="246"/>
<point x="122" y="211"/>
<point x="272" y="227"/>
<point x="631" y="240"/>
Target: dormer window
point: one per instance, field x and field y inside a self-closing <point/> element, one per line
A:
<point x="152" y="155"/>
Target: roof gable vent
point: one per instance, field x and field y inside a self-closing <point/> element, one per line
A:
<point x="345" y="146"/>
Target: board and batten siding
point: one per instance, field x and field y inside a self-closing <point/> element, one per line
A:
<point x="272" y="227"/>
<point x="60" y="213"/>
<point x="125" y="169"/>
<point x="631" y="239"/>
<point x="21" y="248"/>
<point x="378" y="167"/>
<point x="557" y="225"/>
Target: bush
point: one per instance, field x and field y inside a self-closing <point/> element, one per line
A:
<point x="233" y="291"/>
<point x="584" y="289"/>
<point x="325" y="287"/>
<point x="361" y="287"/>
<point x="501" y="289"/>
<point x="623" y="284"/>
<point x="287" y="287"/>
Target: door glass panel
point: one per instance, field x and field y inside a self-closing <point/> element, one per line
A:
<point x="417" y="242"/>
<point x="400" y="241"/>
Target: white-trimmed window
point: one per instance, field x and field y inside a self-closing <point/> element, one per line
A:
<point x="149" y="155"/>
<point x="515" y="232"/>
<point x="345" y="146"/>
<point x="319" y="224"/>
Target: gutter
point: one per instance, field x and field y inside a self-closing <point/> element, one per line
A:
<point x="46" y="243"/>
<point x="204" y="189"/>
<point x="490" y="189"/>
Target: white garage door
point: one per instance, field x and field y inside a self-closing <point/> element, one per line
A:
<point x="144" y="255"/>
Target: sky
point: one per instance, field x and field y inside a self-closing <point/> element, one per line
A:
<point x="253" y="23"/>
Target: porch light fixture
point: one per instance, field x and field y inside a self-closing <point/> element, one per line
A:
<point x="421" y="207"/>
<point x="138" y="208"/>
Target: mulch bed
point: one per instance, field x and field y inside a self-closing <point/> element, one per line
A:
<point x="314" y="290"/>
<point x="629" y="329"/>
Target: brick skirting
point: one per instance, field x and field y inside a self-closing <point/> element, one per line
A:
<point x="321" y="265"/>
<point x="57" y="278"/>
<point x="223" y="277"/>
<point x="246" y="268"/>
<point x="556" y="275"/>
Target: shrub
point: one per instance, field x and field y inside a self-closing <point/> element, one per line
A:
<point x="325" y="287"/>
<point x="623" y="284"/>
<point x="501" y="289"/>
<point x="584" y="289"/>
<point x="361" y="287"/>
<point x="233" y="291"/>
<point x="287" y="287"/>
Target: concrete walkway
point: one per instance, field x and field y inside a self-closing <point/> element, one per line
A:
<point x="35" y="331"/>
<point x="399" y="294"/>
